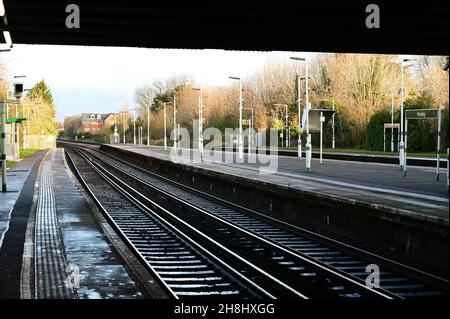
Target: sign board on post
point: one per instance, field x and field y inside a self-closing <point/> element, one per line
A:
<point x="424" y="114"/>
<point x="421" y="114"/>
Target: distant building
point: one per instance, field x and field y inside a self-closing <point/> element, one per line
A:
<point x="91" y="123"/>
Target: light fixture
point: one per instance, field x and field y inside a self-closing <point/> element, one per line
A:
<point x="2" y="8"/>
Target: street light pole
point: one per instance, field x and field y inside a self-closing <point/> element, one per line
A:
<point x="3" y="158"/>
<point x="286" y="125"/>
<point x="402" y="129"/>
<point x="165" y="126"/>
<point x="200" y="119"/>
<point x="308" y="136"/>
<point x="240" y="142"/>
<point x="148" y="125"/>
<point x="402" y="144"/>
<point x="333" y="141"/>
<point x="175" y="140"/>
<point x="299" y="98"/>
<point x="134" y="126"/>
<point x="392" y="122"/>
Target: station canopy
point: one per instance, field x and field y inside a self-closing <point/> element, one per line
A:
<point x="289" y="25"/>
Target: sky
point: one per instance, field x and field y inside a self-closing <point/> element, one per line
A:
<point x="102" y="79"/>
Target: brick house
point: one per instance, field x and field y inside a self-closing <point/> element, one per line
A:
<point x="93" y="123"/>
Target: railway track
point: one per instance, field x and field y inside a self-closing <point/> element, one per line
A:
<point x="314" y="266"/>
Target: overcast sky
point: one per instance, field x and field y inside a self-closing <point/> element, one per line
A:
<point x="102" y="79"/>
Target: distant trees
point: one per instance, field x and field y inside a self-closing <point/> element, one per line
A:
<point x="38" y="105"/>
<point x="360" y="85"/>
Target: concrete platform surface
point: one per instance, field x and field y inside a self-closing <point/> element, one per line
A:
<point x="16" y="177"/>
<point x="78" y="256"/>
<point x="418" y="194"/>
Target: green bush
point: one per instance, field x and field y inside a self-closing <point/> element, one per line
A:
<point x="374" y="130"/>
<point x="422" y="134"/>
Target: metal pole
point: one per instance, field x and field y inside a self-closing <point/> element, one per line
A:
<point x="308" y="139"/>
<point x="392" y="122"/>
<point x="134" y="126"/>
<point x="406" y="146"/>
<point x="175" y="122"/>
<point x="148" y="126"/>
<point x="447" y="167"/>
<point x="124" y="118"/>
<point x="299" y="142"/>
<point x="402" y="143"/>
<point x="241" y="146"/>
<point x="28" y="126"/>
<point x="3" y="158"/>
<point x="253" y="128"/>
<point x="200" y="121"/>
<point x="384" y="138"/>
<point x="321" y="135"/>
<point x="286" y="125"/>
<point x="333" y="142"/>
<point x="165" y="127"/>
<point x="438" y="147"/>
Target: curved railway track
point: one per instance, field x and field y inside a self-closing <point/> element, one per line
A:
<point x="290" y="261"/>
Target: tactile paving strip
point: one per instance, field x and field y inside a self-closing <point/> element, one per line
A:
<point x="52" y="277"/>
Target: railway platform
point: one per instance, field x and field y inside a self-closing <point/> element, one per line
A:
<point x="55" y="244"/>
<point x="419" y="194"/>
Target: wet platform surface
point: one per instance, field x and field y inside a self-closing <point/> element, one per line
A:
<point x="53" y="245"/>
<point x="96" y="271"/>
<point x="418" y="194"/>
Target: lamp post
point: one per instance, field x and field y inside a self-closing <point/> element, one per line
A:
<point x="250" y="138"/>
<point x="134" y="125"/>
<point x="299" y="141"/>
<point x="116" y="140"/>
<point x="402" y="132"/>
<point x="175" y="139"/>
<point x="165" y="125"/>
<point x="240" y="141"/>
<point x="8" y="47"/>
<point x="200" y="119"/>
<point x="392" y="122"/>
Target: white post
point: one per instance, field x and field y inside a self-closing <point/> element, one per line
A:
<point x="241" y="146"/>
<point x="148" y="126"/>
<point x="392" y="122"/>
<point x="308" y="140"/>
<point x="3" y="158"/>
<point x="200" y="121"/>
<point x="134" y="126"/>
<point x="165" y="127"/>
<point x="124" y="119"/>
<point x="406" y="146"/>
<point x="299" y="142"/>
<point x="286" y="125"/>
<point x="322" y="119"/>
<point x="402" y="144"/>
<point x="447" y="167"/>
<point x="175" y="122"/>
<point x="438" y="147"/>
<point x="333" y="142"/>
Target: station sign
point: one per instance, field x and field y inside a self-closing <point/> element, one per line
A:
<point x="246" y="122"/>
<point x="421" y="114"/>
<point x="390" y="125"/>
